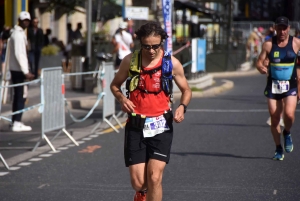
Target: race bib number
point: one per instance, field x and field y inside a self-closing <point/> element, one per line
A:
<point x="154" y="126"/>
<point x="279" y="87"/>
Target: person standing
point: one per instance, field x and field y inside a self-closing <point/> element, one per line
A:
<point x="149" y="128"/>
<point x="36" y="43"/>
<point x="17" y="61"/>
<point x="123" y="43"/>
<point x="281" y="90"/>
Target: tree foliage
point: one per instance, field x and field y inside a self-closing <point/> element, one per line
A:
<point x="109" y="8"/>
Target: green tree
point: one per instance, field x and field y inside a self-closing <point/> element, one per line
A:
<point x="109" y="8"/>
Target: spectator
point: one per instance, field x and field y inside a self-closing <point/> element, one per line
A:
<point x="77" y="33"/>
<point x="47" y="37"/>
<point x="122" y="42"/>
<point x="36" y="43"/>
<point x="68" y="48"/>
<point x="4" y="37"/>
<point x="271" y="32"/>
<point x="18" y="63"/>
<point x="252" y="45"/>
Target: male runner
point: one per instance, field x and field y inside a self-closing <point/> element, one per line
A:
<point x="281" y="89"/>
<point x="149" y="130"/>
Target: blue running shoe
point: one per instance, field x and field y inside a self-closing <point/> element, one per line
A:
<point x="288" y="143"/>
<point x="278" y="155"/>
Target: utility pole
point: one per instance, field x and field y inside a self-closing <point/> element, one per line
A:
<point x="89" y="31"/>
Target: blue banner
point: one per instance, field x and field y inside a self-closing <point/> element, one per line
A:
<point x="167" y="14"/>
<point x="201" y="55"/>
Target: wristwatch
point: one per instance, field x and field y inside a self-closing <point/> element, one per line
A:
<point x="184" y="106"/>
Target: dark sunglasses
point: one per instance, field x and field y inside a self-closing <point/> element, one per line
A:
<point x="149" y="47"/>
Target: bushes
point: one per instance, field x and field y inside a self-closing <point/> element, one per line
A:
<point x="50" y="50"/>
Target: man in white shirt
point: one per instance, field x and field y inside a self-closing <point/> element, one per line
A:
<point x="122" y="42"/>
<point x="17" y="62"/>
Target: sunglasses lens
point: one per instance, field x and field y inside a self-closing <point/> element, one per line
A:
<point x="149" y="47"/>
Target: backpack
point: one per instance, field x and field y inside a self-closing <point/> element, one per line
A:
<point x="135" y="70"/>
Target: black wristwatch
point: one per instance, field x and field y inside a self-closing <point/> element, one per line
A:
<point x="184" y="106"/>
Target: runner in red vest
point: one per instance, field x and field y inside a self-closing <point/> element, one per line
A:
<point x="149" y="130"/>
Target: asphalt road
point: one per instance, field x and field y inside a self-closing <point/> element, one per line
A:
<point x="221" y="152"/>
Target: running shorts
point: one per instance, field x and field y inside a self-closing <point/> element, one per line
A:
<point x="268" y="93"/>
<point x="138" y="149"/>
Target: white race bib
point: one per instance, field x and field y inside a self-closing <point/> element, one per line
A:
<point x="154" y="126"/>
<point x="279" y="87"/>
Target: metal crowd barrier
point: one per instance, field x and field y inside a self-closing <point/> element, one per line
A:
<point x="109" y="108"/>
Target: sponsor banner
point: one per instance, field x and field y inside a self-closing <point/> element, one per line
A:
<point x="167" y="15"/>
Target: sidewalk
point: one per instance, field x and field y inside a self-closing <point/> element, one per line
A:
<point x="16" y="147"/>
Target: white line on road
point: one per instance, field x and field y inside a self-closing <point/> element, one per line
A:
<point x="24" y="164"/>
<point x="35" y="159"/>
<point x="275" y="192"/>
<point x="45" y="155"/>
<point x="63" y="148"/>
<point x="14" y="168"/>
<point x="54" y="152"/>
<point x="71" y="145"/>
<point x="87" y="138"/>
<point x="3" y="173"/>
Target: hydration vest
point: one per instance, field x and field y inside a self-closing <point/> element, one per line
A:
<point x="133" y="80"/>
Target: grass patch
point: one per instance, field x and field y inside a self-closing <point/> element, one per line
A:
<point x="196" y="89"/>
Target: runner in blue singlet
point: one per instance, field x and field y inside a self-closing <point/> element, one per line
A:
<point x="281" y="89"/>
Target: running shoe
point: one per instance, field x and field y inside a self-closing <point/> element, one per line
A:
<point x="281" y="122"/>
<point x="278" y="155"/>
<point x="288" y="143"/>
<point x="139" y="196"/>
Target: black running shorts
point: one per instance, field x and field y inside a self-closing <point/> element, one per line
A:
<point x="138" y="149"/>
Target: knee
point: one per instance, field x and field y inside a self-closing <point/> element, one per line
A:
<point x="138" y="184"/>
<point x="154" y="178"/>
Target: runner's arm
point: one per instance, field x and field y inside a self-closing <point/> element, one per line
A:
<point x="263" y="56"/>
<point x="297" y="43"/>
<point x="186" y="93"/>
<point x="119" y="79"/>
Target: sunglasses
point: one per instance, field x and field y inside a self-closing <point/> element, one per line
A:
<point x="149" y="47"/>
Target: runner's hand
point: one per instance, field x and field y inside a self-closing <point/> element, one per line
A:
<point x="127" y="106"/>
<point x="179" y="115"/>
<point x="263" y="70"/>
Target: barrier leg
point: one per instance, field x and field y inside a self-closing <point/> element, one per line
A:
<point x="112" y="126"/>
<point x="4" y="162"/>
<point x="96" y="127"/>
<point x="71" y="138"/>
<point x="117" y="120"/>
<point x="47" y="140"/>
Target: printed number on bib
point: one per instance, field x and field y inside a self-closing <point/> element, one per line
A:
<point x="279" y="87"/>
<point x="154" y="126"/>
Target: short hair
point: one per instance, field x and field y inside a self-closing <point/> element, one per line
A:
<point x="151" y="29"/>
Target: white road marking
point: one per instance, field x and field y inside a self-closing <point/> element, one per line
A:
<point x="93" y="136"/>
<point x="54" y="152"/>
<point x="43" y="185"/>
<point x="35" y="159"/>
<point x="63" y="148"/>
<point x="24" y="164"/>
<point x="3" y="173"/>
<point x="14" y="168"/>
<point x="275" y="192"/>
<point x="87" y="138"/>
<point x="71" y="145"/>
<point x="45" y="155"/>
<point x="80" y="142"/>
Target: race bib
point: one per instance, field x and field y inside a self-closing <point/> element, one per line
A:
<point x="279" y="87"/>
<point x="154" y="126"/>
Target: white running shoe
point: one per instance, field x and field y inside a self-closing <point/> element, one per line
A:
<point x="269" y="121"/>
<point x="281" y="123"/>
<point x="19" y="127"/>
